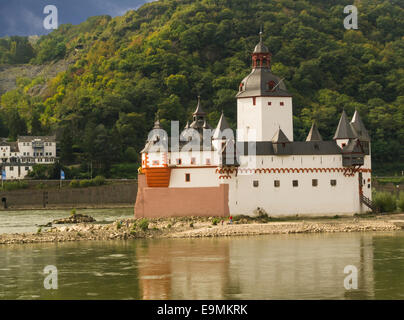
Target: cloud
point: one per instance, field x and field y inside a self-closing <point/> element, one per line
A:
<point x="25" y="17"/>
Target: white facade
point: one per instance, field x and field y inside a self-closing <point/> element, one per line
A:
<point x="262" y="116"/>
<point x="18" y="158"/>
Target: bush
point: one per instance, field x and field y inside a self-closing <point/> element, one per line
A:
<point x="41" y="185"/>
<point x="15" y="185"/>
<point x="73" y="212"/>
<point x="400" y="201"/>
<point x="215" y="221"/>
<point x="144" y="224"/>
<point x="85" y="183"/>
<point x="99" y="180"/>
<point x="74" y="184"/>
<point x="385" y="201"/>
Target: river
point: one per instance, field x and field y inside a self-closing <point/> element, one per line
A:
<point x="298" y="266"/>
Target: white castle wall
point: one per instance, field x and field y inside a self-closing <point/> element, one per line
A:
<point x="199" y="177"/>
<point x="264" y="119"/>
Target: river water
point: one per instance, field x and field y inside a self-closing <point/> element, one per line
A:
<point x="28" y="220"/>
<point x="300" y="266"/>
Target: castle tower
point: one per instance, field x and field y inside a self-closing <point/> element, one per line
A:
<point x="263" y="103"/>
<point x="344" y="131"/>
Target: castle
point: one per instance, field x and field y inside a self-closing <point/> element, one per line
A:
<point x="212" y="172"/>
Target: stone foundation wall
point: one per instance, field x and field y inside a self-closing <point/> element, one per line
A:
<point x="120" y="194"/>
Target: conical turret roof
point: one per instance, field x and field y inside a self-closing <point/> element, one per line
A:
<point x="314" y="134"/>
<point x="280" y="137"/>
<point x="358" y="127"/>
<point x="198" y="110"/>
<point x="260" y="47"/>
<point x="221" y="126"/>
<point x="157" y="122"/>
<point x="344" y="130"/>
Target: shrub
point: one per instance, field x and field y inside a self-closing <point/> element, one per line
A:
<point x="99" y="180"/>
<point x="215" y="221"/>
<point x="73" y="212"/>
<point x="191" y="225"/>
<point x="74" y="184"/>
<point x="85" y="183"/>
<point x="39" y="230"/>
<point x="144" y="224"/>
<point x="40" y="185"/>
<point x="15" y="185"/>
<point x="385" y="201"/>
<point x="118" y="225"/>
<point x="400" y="202"/>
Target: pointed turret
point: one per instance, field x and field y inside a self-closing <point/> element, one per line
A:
<point x="344" y="130"/>
<point x="198" y="110"/>
<point x="157" y="122"/>
<point x="358" y="128"/>
<point x="314" y="134"/>
<point x="221" y="126"/>
<point x="280" y="137"/>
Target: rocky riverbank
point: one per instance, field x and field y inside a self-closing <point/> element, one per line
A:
<point x="195" y="227"/>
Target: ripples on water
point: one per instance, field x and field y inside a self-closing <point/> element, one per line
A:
<point x="305" y="266"/>
<point x="28" y="220"/>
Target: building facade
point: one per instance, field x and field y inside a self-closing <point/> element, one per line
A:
<point x="18" y="158"/>
<point x="260" y="168"/>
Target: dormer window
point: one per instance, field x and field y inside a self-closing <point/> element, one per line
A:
<point x="271" y="85"/>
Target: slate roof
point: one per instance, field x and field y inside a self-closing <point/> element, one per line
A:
<point x="344" y="130"/>
<point x="280" y="137"/>
<point x="221" y="126"/>
<point x="358" y="127"/>
<point x="256" y="84"/>
<point x="31" y="138"/>
<point x="314" y="134"/>
<point x="264" y="148"/>
<point x="353" y="146"/>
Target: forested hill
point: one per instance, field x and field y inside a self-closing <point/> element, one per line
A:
<point x="161" y="56"/>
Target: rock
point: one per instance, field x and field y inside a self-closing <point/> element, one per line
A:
<point x="76" y="218"/>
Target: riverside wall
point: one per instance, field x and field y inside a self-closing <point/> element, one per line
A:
<point x="113" y="194"/>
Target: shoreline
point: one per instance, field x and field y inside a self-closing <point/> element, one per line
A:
<point x="198" y="227"/>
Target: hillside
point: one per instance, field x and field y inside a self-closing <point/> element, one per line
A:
<point x="161" y="56"/>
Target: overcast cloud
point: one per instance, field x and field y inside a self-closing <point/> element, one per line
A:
<point x="25" y="17"/>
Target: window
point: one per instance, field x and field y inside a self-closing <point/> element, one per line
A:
<point x="207" y="161"/>
<point x="281" y="103"/>
<point x="187" y="177"/>
<point x="343" y="145"/>
<point x="11" y="168"/>
<point x="277" y="183"/>
<point x="269" y="103"/>
<point x="314" y="182"/>
<point x="26" y="168"/>
<point x="368" y="185"/>
<point x="193" y="160"/>
<point x="155" y="162"/>
<point x="255" y="183"/>
<point x="254" y="101"/>
<point x="295" y="183"/>
<point x="333" y="183"/>
<point x="179" y="161"/>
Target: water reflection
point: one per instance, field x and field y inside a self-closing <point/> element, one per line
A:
<point x="306" y="266"/>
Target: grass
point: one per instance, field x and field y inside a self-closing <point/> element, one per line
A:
<point x="394" y="180"/>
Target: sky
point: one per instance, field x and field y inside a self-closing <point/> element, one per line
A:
<point x="25" y="17"/>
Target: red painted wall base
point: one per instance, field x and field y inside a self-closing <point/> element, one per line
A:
<point x="180" y="202"/>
